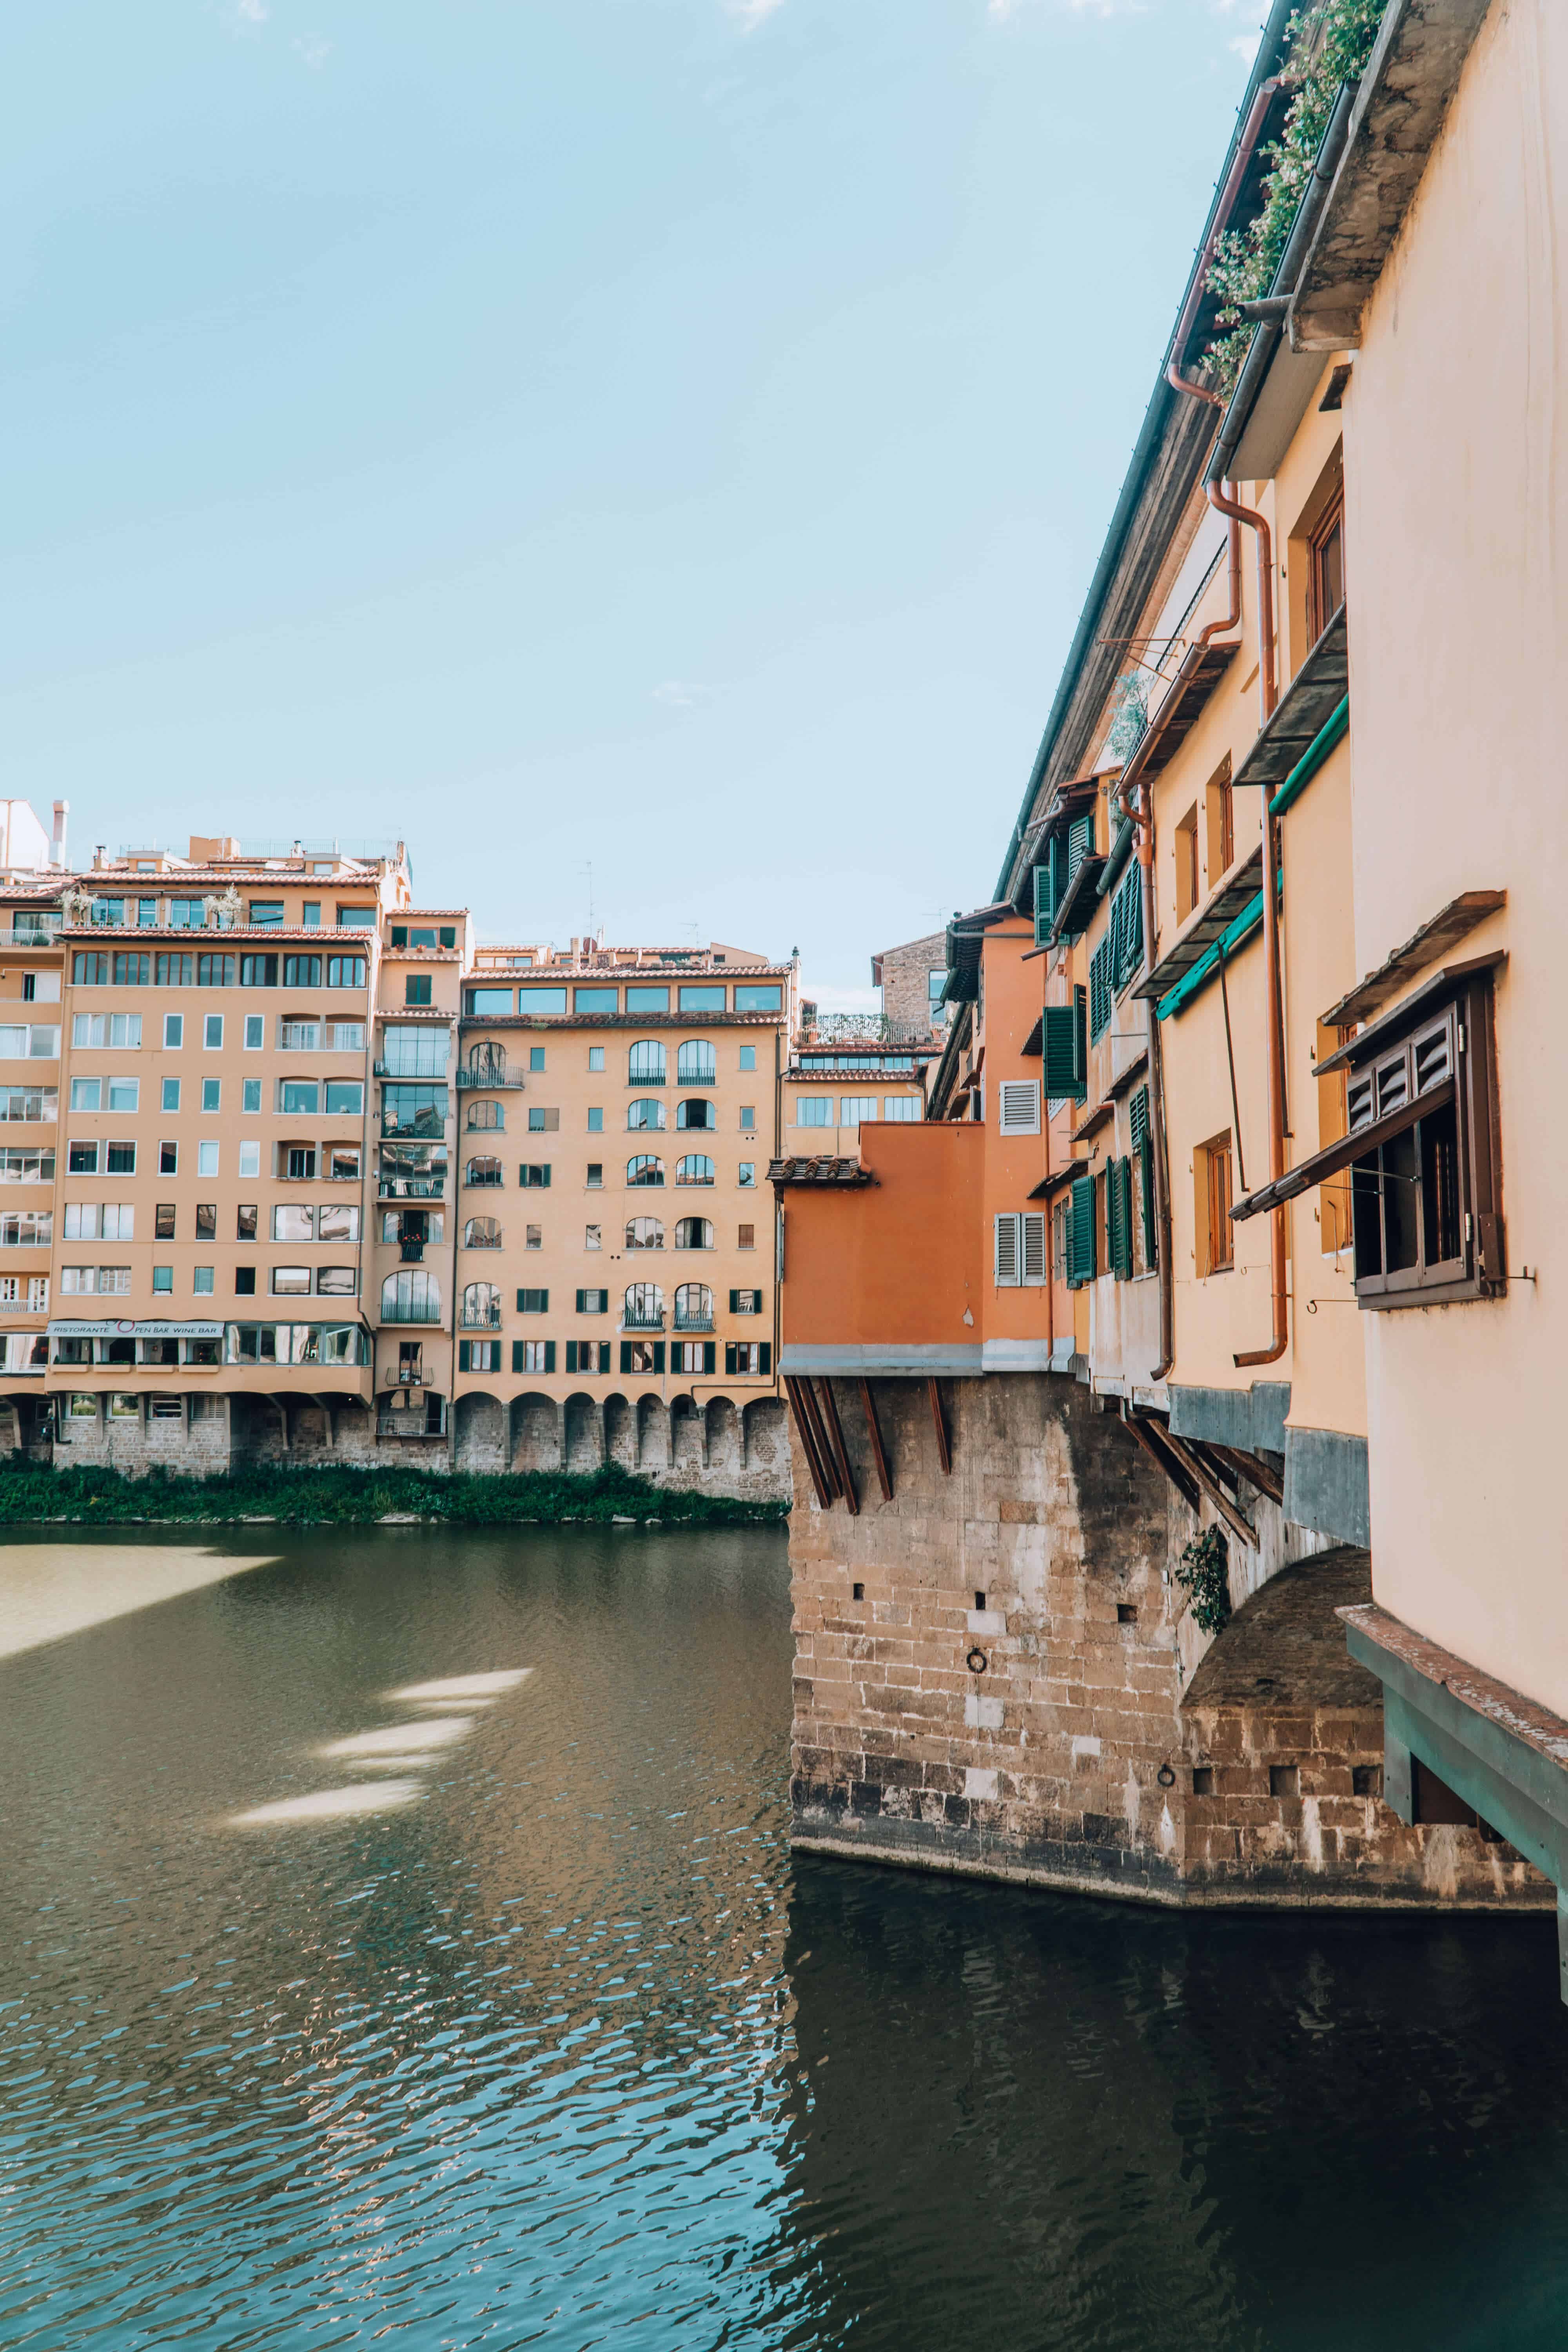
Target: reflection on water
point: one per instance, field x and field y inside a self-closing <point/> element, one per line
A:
<point x="536" y="2038"/>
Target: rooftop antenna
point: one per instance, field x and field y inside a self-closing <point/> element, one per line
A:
<point x="586" y="866"/>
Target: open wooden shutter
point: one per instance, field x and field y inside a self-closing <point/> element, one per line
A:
<point x="1118" y="1207"/>
<point x="1080" y="842"/>
<point x="550" y="1354"/>
<point x="1006" y="1251"/>
<point x="709" y="1353"/>
<point x="767" y="1357"/>
<point x="1034" y="1268"/>
<point x="1045" y="901"/>
<point x="1080" y="1247"/>
<point x="1065" y="1048"/>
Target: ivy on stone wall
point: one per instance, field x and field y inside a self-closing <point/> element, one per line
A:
<point x="1204" y="1574"/>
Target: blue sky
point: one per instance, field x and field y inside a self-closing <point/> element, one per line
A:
<point x="658" y="433"/>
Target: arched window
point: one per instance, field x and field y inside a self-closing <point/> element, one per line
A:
<point x="695" y="1065"/>
<point x="482" y="1172"/>
<point x="645" y="1169"/>
<point x="648" y="1113"/>
<point x="486" y="1065"/>
<point x="693" y="1233"/>
<point x="696" y="1113"/>
<point x="411" y="1298"/>
<point x="644" y="1064"/>
<point x="645" y="1232"/>
<point x="481" y="1307"/>
<point x="482" y="1233"/>
<point x="694" y="1308"/>
<point x="487" y="1114"/>
<point x="695" y="1168"/>
<point x="644" y="1308"/>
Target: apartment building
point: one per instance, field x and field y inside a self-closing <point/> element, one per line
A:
<point x="30" y="1016"/>
<point x="1119" y="1386"/>
<point x="212" y="1185"/>
<point x="615" y="1286"/>
<point x="843" y="1072"/>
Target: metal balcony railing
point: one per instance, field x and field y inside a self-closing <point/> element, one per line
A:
<point x="425" y="1066"/>
<point x="411" y="1315"/>
<point x="410" y="1424"/>
<point x="488" y="1070"/>
<point x="411" y="1253"/>
<point x="688" y="1321"/>
<point x="480" y="1318"/>
<point x="642" y="1319"/>
<point x="412" y="1188"/>
<point x="24" y="1306"/>
<point x="411" y="1380"/>
<point x="31" y="935"/>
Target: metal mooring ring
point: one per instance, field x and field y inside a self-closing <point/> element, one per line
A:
<point x="976" y="1662"/>
<point x="1166" y="1776"/>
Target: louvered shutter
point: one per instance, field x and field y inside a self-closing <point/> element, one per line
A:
<point x="571" y="1356"/>
<point x="1080" y="842"/>
<point x="1018" y="1105"/>
<point x="1138" y="1119"/>
<point x="463" y="1346"/>
<point x="1100" y="990"/>
<point x="1033" y="1223"/>
<point x="1119" y="1217"/>
<point x="550" y="1354"/>
<point x="581" y="1309"/>
<point x="517" y="1355"/>
<point x="1045" y="904"/>
<point x="1065" y="1051"/>
<point x="1080" y="1248"/>
<point x="1006" y="1251"/>
<point x="708" y="1349"/>
<point x="767" y="1355"/>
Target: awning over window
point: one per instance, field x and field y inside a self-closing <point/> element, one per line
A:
<point x="1311" y="698"/>
<point x="1336" y="1156"/>
<point x="1207" y="927"/>
<point x="1402" y="1016"/>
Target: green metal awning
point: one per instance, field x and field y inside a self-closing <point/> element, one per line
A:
<point x="1207" y="927"/>
<point x="1304" y="709"/>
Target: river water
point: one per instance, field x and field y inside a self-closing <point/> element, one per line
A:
<point x="509" y="2021"/>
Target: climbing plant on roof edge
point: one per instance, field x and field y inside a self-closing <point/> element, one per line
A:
<point x="1326" y="44"/>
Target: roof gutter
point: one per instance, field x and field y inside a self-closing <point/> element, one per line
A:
<point x="1270" y="47"/>
<point x="1275" y="307"/>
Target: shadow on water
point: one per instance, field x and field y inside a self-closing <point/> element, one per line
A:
<point x="562" y="2051"/>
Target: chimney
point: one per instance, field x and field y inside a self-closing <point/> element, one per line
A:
<point x="57" y="854"/>
<point x="100" y="851"/>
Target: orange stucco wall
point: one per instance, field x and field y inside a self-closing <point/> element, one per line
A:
<point x="896" y="1261"/>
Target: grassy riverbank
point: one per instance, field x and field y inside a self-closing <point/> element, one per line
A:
<point x="306" y="1498"/>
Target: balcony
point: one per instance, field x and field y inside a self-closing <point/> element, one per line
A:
<point x="24" y="1306"/>
<point x="411" y="1188"/>
<point x="31" y="934"/>
<point x="411" y="1314"/>
<point x="644" y="1319"/>
<point x="488" y="1070"/>
<point x="687" y="1319"/>
<point x="428" y="1069"/>
<point x="411" y="1378"/>
<point x="411" y="1253"/>
<point x="479" y="1319"/>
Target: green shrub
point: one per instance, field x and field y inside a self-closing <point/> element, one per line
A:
<point x="31" y="1491"/>
<point x="1204" y="1574"/>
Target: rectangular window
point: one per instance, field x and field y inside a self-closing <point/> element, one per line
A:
<point x="746" y="1302"/>
<point x="542" y="1122"/>
<point x="290" y="1282"/>
<point x="592" y="1237"/>
<point x="595" y="999"/>
<point x="596" y="1176"/>
<point x="695" y="998"/>
<point x="118" y="1031"/>
<point x="303" y="971"/>
<point x="1326" y="578"/>
<point x="642" y="1355"/>
<point x="1018" y="1105"/>
<point x="335" y="1282"/>
<point x="648" y="999"/>
<point x="265" y="914"/>
<point x="1216" y="1238"/>
<point x="293" y="1225"/>
<point x="246" y="1218"/>
<point x="541" y="1000"/>
<point x="250" y="1158"/>
<point x="81" y="1158"/>
<point x="163" y="1279"/>
<point x="302" y="1097"/>
<point x="250" y="1096"/>
<point x="749" y="1117"/>
<point x="121" y="1159"/>
<point x="748" y="1357"/>
<point x="483" y="1001"/>
<point x="536" y="1057"/>
<point x="596" y="1118"/>
<point x="533" y="1237"/>
<point x="90" y="971"/>
<point x="596" y="1057"/>
<point x="211" y="1094"/>
<point x="212" y="1033"/>
<point x="340" y="1223"/>
<point x="345" y="1098"/>
<point x="213" y="970"/>
<point x="206" y="1159"/>
<point x="173" y="970"/>
<point x="814" y="1110"/>
<point x="534" y="1355"/>
<point x="207" y="1221"/>
<point x="902" y="1109"/>
<point x="342" y="1164"/>
<point x="310" y="916"/>
<point x="163" y="1221"/>
<point x="481" y="1355"/>
<point x="747" y="1175"/>
<point x="245" y="1282"/>
<point x="171" y="1094"/>
<point x="1188" y="887"/>
<point x="346" y="971"/>
<point x="259" y="971"/>
<point x="416" y="988"/>
<point x="536" y="1174"/>
<point x="125" y="1094"/>
<point x="168" y="1159"/>
<point x="593" y="1302"/>
<point x="356" y="918"/>
<point x="87" y="1094"/>
<point x="1082" y="1234"/>
<point x="173" y="1031"/>
<point x="745" y="1237"/>
<point x="301" y="1163"/>
<point x="534" y="1302"/>
<point x="255" y="1029"/>
<point x="201" y="1281"/>
<point x="1219" y="804"/>
<point x="587" y="1355"/>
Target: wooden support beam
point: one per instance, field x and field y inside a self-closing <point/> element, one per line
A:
<point x="1200" y="1470"/>
<point x="841" y="1455"/>
<point x="807" y="1443"/>
<point x="1143" y="1431"/>
<point x="824" y="1443"/>
<point x="884" y="1475"/>
<point x="943" y="1451"/>
<point x="1256" y="1472"/>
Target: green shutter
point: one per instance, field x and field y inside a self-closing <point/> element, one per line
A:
<point x="462" y="1354"/>
<point x="766" y="1358"/>
<point x="626" y="1355"/>
<point x="1045" y="901"/>
<point x="581" y="1309"/>
<point x="729" y="1364"/>
<point x="1113" y="1237"/>
<point x="1138" y="1119"/>
<point x="1099" y="996"/>
<point x="710" y="1354"/>
<point x="734" y="1302"/>
<point x="1146" y="1171"/>
<point x="1119" y="1217"/>
<point x="517" y="1355"/>
<point x="659" y="1355"/>
<point x="1080" y="842"/>
<point x="1080" y="1244"/>
<point x="550" y="1354"/>
<point x="1062" y="1049"/>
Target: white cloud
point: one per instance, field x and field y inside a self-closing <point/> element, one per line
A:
<point x="249" y="15"/>
<point x="314" y="50"/>
<point x="1000" y="10"/>
<point x="680" y="694"/>
<point x="749" y="13"/>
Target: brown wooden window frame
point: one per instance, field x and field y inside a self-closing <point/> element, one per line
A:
<point x="1216" y="1230"/>
<point x="1322" y="605"/>
<point x="1456" y="1041"/>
